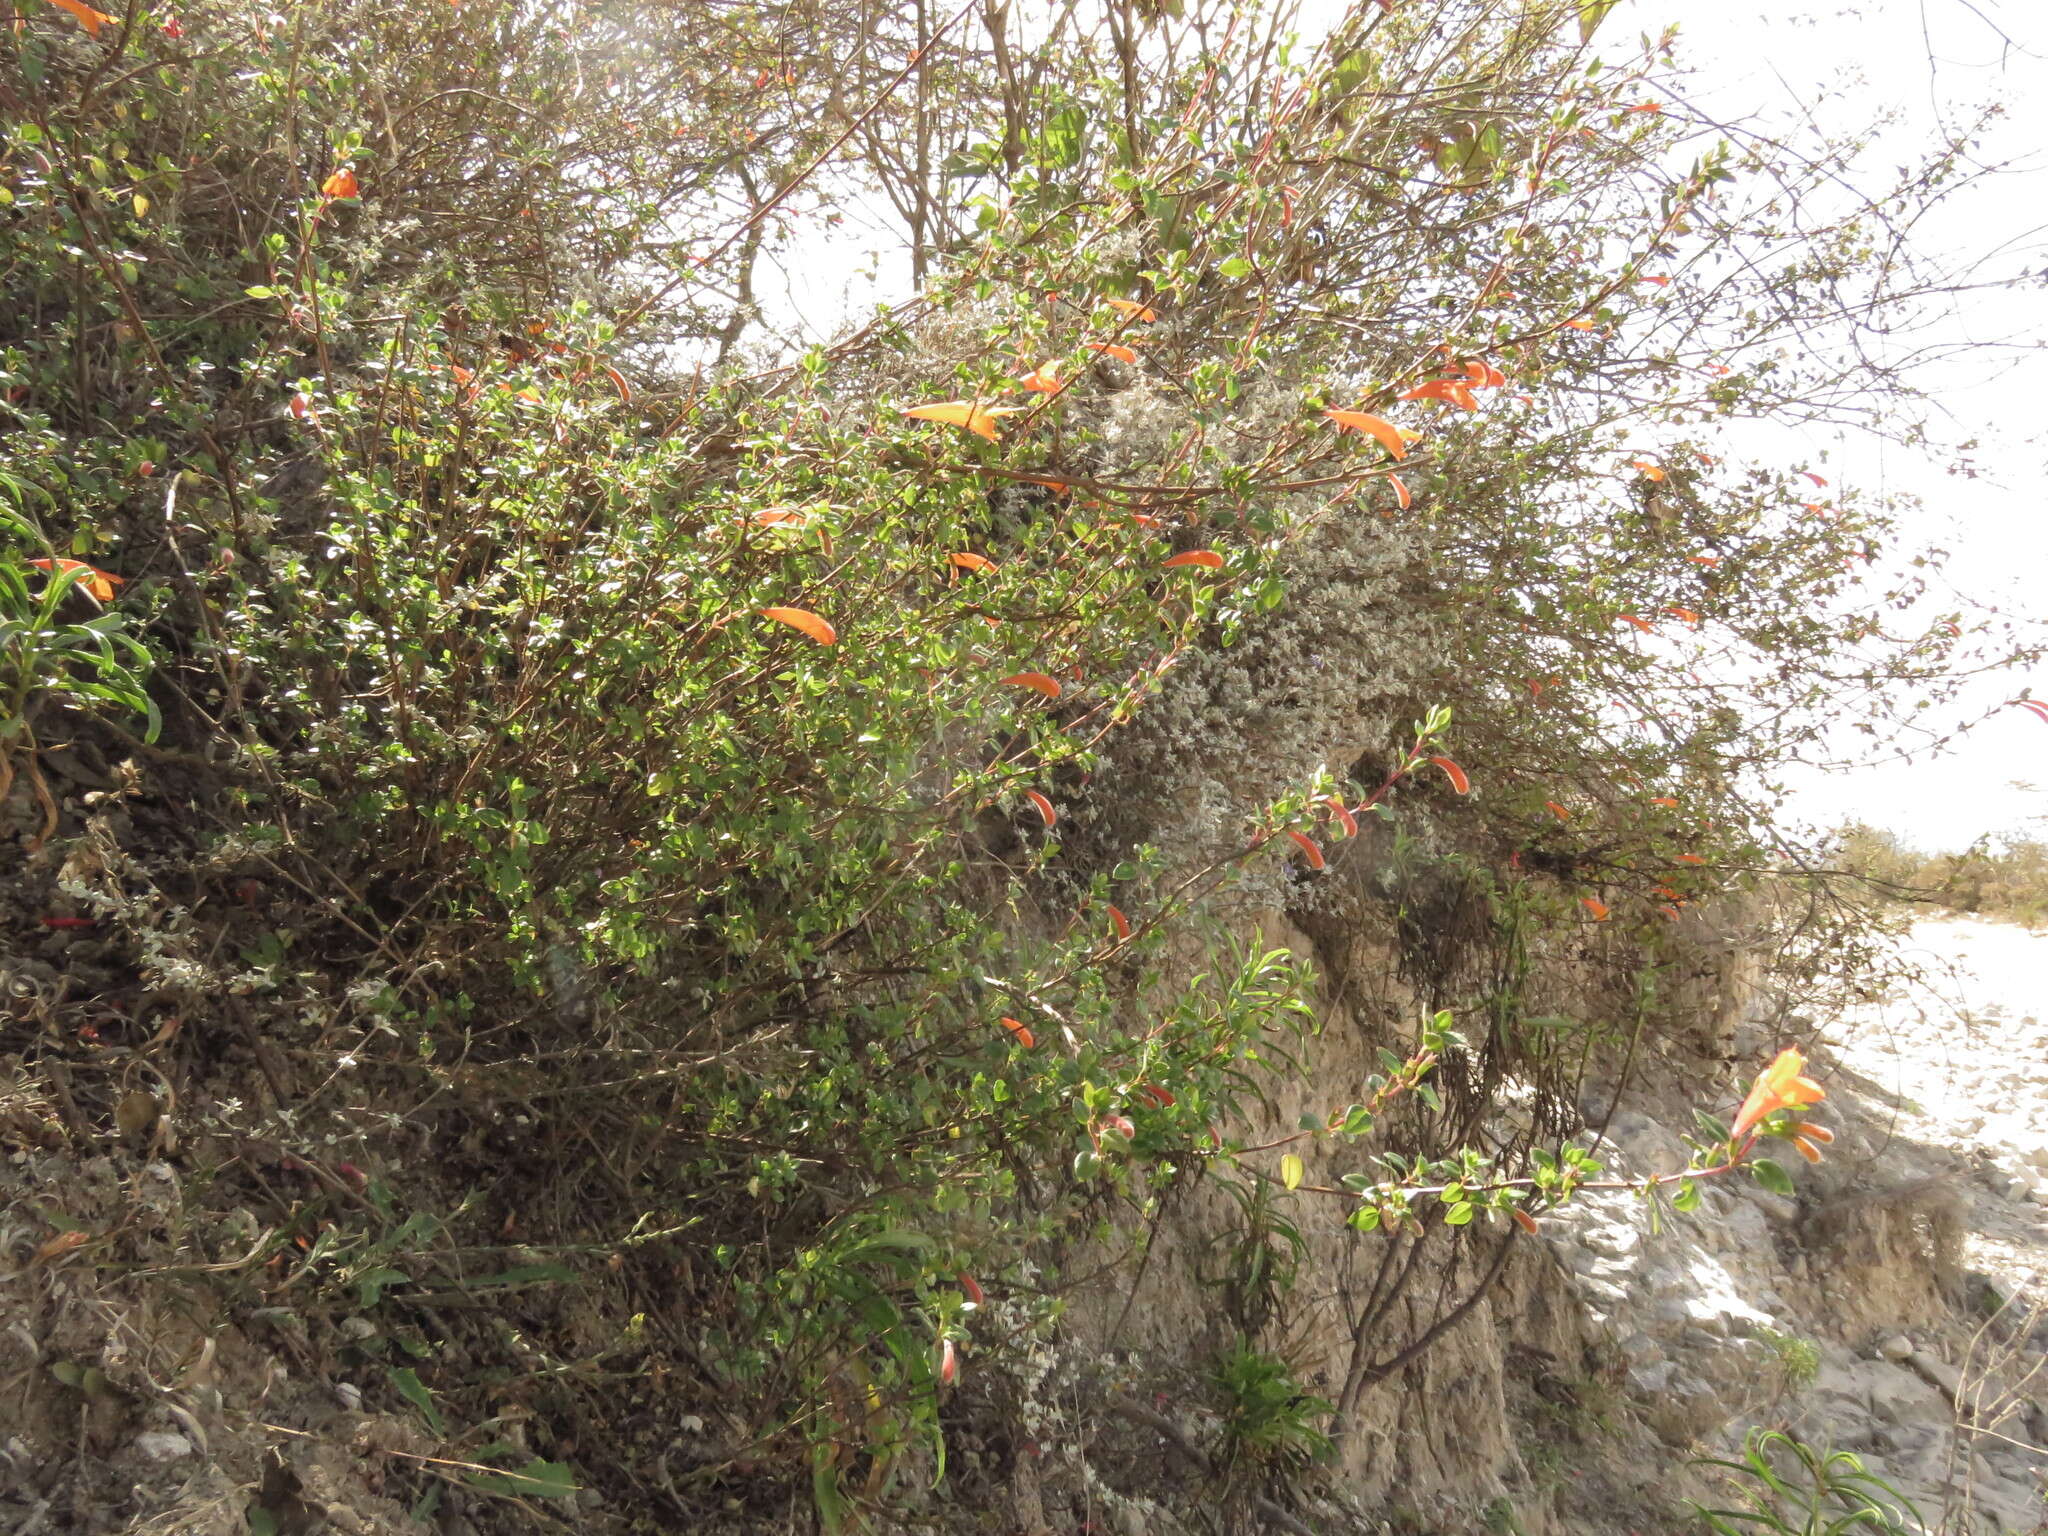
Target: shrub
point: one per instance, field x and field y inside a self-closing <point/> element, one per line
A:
<point x="777" y="823"/>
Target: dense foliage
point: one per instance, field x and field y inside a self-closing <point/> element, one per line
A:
<point x="1998" y="877"/>
<point x="789" y="844"/>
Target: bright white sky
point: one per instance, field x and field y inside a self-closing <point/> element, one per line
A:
<point x="1925" y="63"/>
<point x="1921" y="64"/>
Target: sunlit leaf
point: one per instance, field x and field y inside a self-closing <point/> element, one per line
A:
<point x="970" y="414"/>
<point x="99" y="583"/>
<point x="803" y="620"/>
<point x="1591" y="14"/>
<point x="1385" y="432"/>
<point x="1292" y="1171"/>
<point x="1037" y="682"/>
<point x="88" y="18"/>
<point x="1451" y="391"/>
<point x="1208" y="559"/>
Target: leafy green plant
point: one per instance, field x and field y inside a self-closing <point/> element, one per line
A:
<point x="1798" y="1358"/>
<point x="1270" y="1420"/>
<point x="816" y="797"/>
<point x="46" y="654"/>
<point x="1794" y="1489"/>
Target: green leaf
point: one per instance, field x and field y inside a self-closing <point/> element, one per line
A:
<point x="1291" y="1171"/>
<point x="1459" y="1214"/>
<point x="1591" y="14"/>
<point x="1365" y="1219"/>
<point x="538" y="1479"/>
<point x="825" y="1494"/>
<point x="414" y="1391"/>
<point x="1235" y="268"/>
<point x="1688" y="1196"/>
<point x="525" y="1274"/>
<point x="1773" y="1177"/>
<point x="370" y="1288"/>
<point x="1059" y="144"/>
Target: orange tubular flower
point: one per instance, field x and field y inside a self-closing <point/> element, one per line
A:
<point x="1778" y="1086"/>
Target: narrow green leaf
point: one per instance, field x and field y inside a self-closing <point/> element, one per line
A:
<point x="414" y="1391"/>
<point x="538" y="1479"/>
<point x="370" y="1288"/>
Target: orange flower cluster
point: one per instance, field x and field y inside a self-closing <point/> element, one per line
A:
<point x="1780" y="1086"/>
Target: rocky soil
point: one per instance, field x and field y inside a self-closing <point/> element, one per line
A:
<point x="1898" y="1307"/>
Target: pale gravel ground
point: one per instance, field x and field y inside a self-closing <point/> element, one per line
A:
<point x="1965" y="1053"/>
